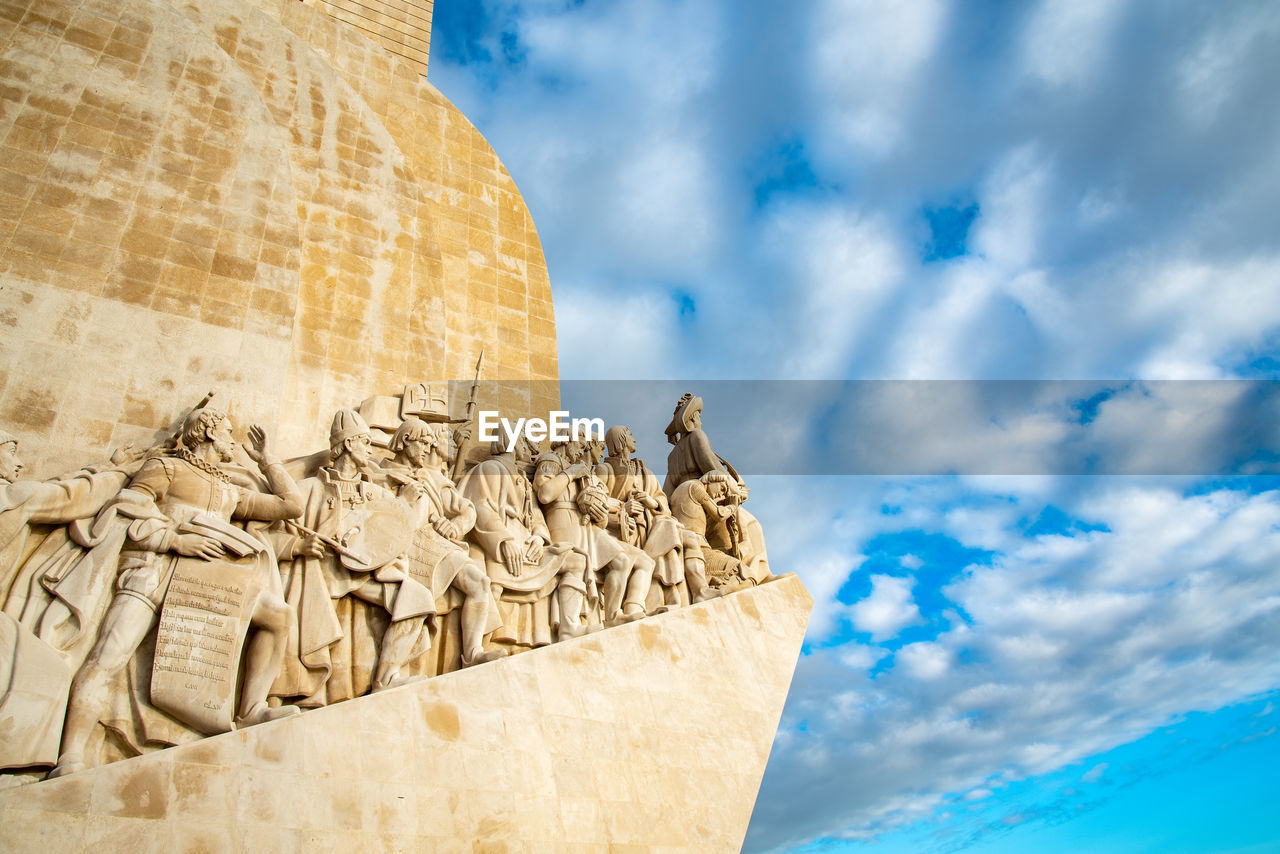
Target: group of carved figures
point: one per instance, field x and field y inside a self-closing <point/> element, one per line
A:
<point x="172" y="594"/>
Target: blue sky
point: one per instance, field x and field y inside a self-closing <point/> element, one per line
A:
<point x="932" y="190"/>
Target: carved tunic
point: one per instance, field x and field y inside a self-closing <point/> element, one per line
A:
<point x="434" y="560"/>
<point x="507" y="511"/>
<point x="656" y="532"/>
<point x="168" y="491"/>
<point x="332" y="655"/>
<point x="569" y="525"/>
<point x="690" y="459"/>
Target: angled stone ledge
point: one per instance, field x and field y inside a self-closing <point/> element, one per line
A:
<point x="652" y="736"/>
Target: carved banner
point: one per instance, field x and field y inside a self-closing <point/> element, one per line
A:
<point x="202" y="630"/>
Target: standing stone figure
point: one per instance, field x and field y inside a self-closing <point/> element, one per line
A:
<point x="349" y="553"/>
<point x="440" y="558"/>
<point x="180" y="507"/>
<point x="576" y="505"/>
<point x="541" y="587"/>
<point x="34" y="676"/>
<point x="643" y="518"/>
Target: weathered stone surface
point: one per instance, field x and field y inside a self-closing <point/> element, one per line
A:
<point x="649" y="736"/>
<point x="248" y="195"/>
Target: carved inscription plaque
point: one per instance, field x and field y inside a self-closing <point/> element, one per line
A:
<point x="202" y="631"/>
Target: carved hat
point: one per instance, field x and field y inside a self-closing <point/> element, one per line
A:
<point x="346" y="424"/>
<point x="688" y="406"/>
<point x="6" y="437"/>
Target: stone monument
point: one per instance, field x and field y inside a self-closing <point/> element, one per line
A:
<point x="348" y="627"/>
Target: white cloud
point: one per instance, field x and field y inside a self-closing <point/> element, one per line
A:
<point x="1071" y="645"/>
<point x="866" y="56"/>
<point x="924" y="660"/>
<point x="1094" y="774"/>
<point x="887" y="610"/>
<point x="1067" y="41"/>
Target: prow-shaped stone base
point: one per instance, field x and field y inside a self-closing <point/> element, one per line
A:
<point x="650" y="735"/>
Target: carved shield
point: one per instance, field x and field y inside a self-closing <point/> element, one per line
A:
<point x="202" y="629"/>
<point x="376" y="533"/>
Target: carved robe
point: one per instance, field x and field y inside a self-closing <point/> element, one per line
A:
<point x="435" y="561"/>
<point x="656" y="531"/>
<point x="333" y="653"/>
<point x="690" y="459"/>
<point x="506" y="510"/>
<point x="42" y="629"/>
<point x="164" y="496"/>
<point x="48" y="585"/>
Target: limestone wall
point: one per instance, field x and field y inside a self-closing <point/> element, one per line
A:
<point x="401" y="27"/>
<point x="248" y="195"/>
<point x="652" y="736"/>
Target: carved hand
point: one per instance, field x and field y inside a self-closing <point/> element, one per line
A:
<point x="511" y="557"/>
<point x="462" y="435"/>
<point x="633" y="508"/>
<point x="446" y="528"/>
<point x="197" y="545"/>
<point x="257" y="447"/>
<point x="533" y="550"/>
<point x="126" y="454"/>
<point x="309" y="546"/>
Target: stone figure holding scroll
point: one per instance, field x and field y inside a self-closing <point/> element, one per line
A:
<point x="361" y="616"/>
<point x="201" y="584"/>
<point x="541" y="586"/>
<point x="440" y="558"/>
<point x="576" y="505"/>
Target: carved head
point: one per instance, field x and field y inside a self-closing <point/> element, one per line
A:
<point x="10" y="465"/>
<point x="415" y="440"/>
<point x="687" y="416"/>
<point x="619" y="441"/>
<point x="721" y="486"/>
<point x="350" y="435"/>
<point x="594" y="450"/>
<point x="524" y="451"/>
<point x="211" y="426"/>
<point x="570" y="451"/>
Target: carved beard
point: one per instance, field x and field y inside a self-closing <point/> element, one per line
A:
<point x="226" y="451"/>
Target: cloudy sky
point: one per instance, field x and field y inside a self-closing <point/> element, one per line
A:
<point x="1047" y="619"/>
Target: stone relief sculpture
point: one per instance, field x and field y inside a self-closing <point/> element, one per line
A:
<point x="349" y="552"/>
<point x="642" y="517"/>
<point x="731" y="531"/>
<point x="577" y="507"/>
<point x="542" y="584"/>
<point x="439" y="558"/>
<point x="197" y="582"/>
<point x="44" y="619"/>
<point x="189" y="595"/>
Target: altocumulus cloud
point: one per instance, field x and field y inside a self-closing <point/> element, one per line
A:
<point x="1062" y="646"/>
<point x="748" y="189"/>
